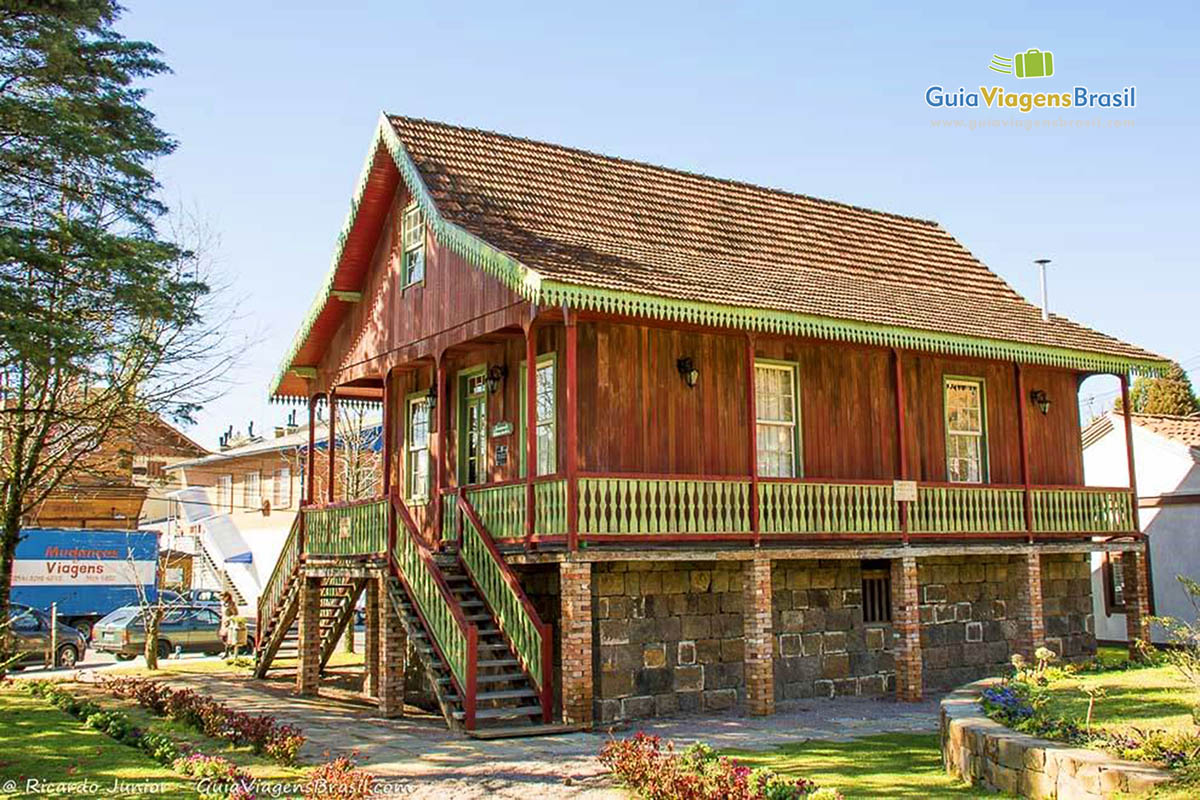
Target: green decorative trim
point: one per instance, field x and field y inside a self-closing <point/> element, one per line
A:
<point x="806" y="325"/>
<point x="304" y="372"/>
<point x="531" y="285"/>
<point x="346" y="297"/>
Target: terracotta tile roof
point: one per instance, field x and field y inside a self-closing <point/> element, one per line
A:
<point x="592" y="220"/>
<point x="1185" y="430"/>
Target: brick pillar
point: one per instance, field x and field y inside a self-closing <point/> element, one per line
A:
<point x="906" y="624"/>
<point x="575" y="582"/>
<point x="393" y="647"/>
<point x="308" y="671"/>
<point x="1137" y="602"/>
<point x="756" y="615"/>
<point x="1031" y="613"/>
<point x="371" y="657"/>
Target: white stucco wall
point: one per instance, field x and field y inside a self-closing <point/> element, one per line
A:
<point x="1163" y="467"/>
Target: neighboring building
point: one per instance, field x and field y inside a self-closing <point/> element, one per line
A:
<point x="237" y="505"/>
<point x="122" y="485"/>
<point x="680" y="444"/>
<point x="1167" y="457"/>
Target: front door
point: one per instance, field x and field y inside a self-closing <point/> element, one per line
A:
<point x="472" y="428"/>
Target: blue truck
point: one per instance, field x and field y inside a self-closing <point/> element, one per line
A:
<point x="88" y="573"/>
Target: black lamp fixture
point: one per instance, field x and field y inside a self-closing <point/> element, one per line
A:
<point x="687" y="369"/>
<point x="495" y="374"/>
<point x="431" y="398"/>
<point x="1039" y="398"/>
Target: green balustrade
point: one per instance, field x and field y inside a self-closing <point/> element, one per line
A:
<point x="450" y="631"/>
<point x="790" y="507"/>
<point x="1068" y="510"/>
<point x="550" y="507"/>
<point x="511" y="608"/>
<point x="349" y="529"/>
<point x="500" y="508"/>
<point x="967" y="509"/>
<point x="650" y="506"/>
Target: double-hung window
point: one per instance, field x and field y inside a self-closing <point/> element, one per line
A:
<point x="778" y="432"/>
<point x="546" y="429"/>
<point x="224" y="492"/>
<point x="418" y="448"/>
<point x="252" y="491"/>
<point x="282" y="488"/>
<point x="966" y="430"/>
<point x="413" y="244"/>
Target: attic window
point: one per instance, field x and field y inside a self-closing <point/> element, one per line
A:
<point x="413" y="234"/>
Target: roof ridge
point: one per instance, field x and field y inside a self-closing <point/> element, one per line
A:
<point x="672" y="170"/>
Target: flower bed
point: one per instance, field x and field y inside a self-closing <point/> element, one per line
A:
<point x="261" y="733"/>
<point x="657" y="772"/>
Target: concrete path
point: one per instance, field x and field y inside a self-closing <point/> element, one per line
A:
<point x="417" y="756"/>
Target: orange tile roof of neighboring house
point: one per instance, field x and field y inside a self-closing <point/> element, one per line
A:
<point x="594" y="220"/>
<point x="1185" y="430"/>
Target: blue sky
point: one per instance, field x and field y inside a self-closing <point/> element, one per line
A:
<point x="274" y="106"/>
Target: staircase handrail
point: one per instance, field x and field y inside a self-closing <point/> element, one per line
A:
<point x="457" y="643"/>
<point x="532" y="640"/>
<point x="285" y="567"/>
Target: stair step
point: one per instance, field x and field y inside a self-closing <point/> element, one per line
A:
<point x="503" y="677"/>
<point x="501" y="713"/>
<point x="499" y="662"/>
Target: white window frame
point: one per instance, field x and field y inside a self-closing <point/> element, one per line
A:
<point x="281" y="488"/>
<point x="412" y="245"/>
<point x="225" y="492"/>
<point x="793" y="373"/>
<point x="252" y="490"/>
<point x="978" y="437"/>
<point x="414" y="454"/>
<point x="546" y="424"/>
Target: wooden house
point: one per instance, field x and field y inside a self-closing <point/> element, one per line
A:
<point x="659" y="442"/>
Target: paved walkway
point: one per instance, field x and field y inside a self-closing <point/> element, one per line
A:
<point x="418" y="757"/>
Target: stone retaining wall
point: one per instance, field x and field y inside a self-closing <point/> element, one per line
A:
<point x="985" y="753"/>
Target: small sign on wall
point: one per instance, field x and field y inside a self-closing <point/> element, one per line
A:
<point x="502" y="428"/>
<point x="501" y="455"/>
<point x="905" y="491"/>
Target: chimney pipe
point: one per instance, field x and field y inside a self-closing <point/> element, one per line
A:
<point x="1042" y="264"/>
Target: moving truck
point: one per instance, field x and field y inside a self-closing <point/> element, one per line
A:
<point x="88" y="573"/>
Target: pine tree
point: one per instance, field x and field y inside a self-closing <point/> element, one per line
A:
<point x="101" y="316"/>
<point x="1170" y="394"/>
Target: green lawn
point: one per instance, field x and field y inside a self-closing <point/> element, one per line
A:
<point x="1145" y="697"/>
<point x="894" y="765"/>
<point x="39" y="742"/>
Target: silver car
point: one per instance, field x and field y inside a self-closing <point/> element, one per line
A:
<point x="29" y="636"/>
<point x="187" y="628"/>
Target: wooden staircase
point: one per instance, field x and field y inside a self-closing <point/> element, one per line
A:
<point x="282" y="633"/>
<point x="505" y="693"/>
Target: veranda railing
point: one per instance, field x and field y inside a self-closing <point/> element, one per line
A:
<point x="354" y="528"/>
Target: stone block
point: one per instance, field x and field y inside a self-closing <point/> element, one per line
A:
<point x="875" y="639"/>
<point x="614" y="632"/>
<point x="789" y="645"/>
<point x="610" y="583"/>
<point x="686" y="653"/>
<point x="696" y="627"/>
<point x="689" y="679"/>
<point x="637" y="707"/>
<point x="701" y="579"/>
<point x="720" y="699"/>
<point x="835" y="665"/>
<point x="654" y="656"/>
<point x="810" y="644"/>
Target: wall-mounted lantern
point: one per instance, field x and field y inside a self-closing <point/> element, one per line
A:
<point x="431" y="398"/>
<point x="1039" y="398"/>
<point x="687" y="369"/>
<point x="495" y="376"/>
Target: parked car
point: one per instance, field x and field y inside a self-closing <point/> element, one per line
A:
<point x="209" y="598"/>
<point x="191" y="628"/>
<point x="30" y="631"/>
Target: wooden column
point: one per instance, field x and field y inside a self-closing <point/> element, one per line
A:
<point x="388" y="434"/>
<point x="1129" y="460"/>
<point x="443" y="422"/>
<point x="572" y="430"/>
<point x="1023" y="431"/>
<point x="310" y="478"/>
<point x="331" y="449"/>
<point x="531" y="420"/>
<point x="901" y="436"/>
<point x="752" y="438"/>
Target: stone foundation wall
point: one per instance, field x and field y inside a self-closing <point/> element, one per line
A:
<point x="1067" y="600"/>
<point x="822" y="646"/>
<point x="669" y="638"/>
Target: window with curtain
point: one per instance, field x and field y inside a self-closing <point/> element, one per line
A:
<point x="777" y="432"/>
<point x="966" y="441"/>
<point x="417" y="462"/>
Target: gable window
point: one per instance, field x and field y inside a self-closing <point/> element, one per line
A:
<point x="413" y="243"/>
<point x="281" y="494"/>
<point x="876" y="591"/>
<point x="225" y="492"/>
<point x="417" y="461"/>
<point x="547" y="403"/>
<point x="966" y="430"/>
<point x="252" y="491"/>
<point x="777" y="432"/>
